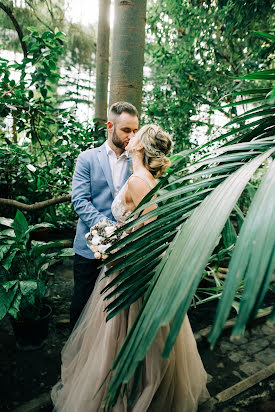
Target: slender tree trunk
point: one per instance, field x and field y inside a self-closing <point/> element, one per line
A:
<point x="9" y="12"/>
<point x="14" y="128"/>
<point x="128" y="51"/>
<point x="102" y="61"/>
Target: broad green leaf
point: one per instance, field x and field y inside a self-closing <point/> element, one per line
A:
<point x="9" y="284"/>
<point x="6" y="298"/>
<point x="41" y="289"/>
<point x="251" y="91"/>
<point x="15" y="305"/>
<point x="28" y="286"/>
<point x="4" y="249"/>
<point x="245" y="101"/>
<point x="67" y="252"/>
<point x="32" y="29"/>
<point x="6" y="221"/>
<point x="8" y="232"/>
<point x="41" y="247"/>
<point x="7" y="261"/>
<point x="177" y="276"/>
<point x="268" y="36"/>
<point x="229" y="234"/>
<point x="253" y="114"/>
<point x="39" y="226"/>
<point x="20" y="225"/>
<point x="253" y="255"/>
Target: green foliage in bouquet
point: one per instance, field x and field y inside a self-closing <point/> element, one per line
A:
<point x="23" y="268"/>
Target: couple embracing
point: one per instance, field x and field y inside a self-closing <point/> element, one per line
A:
<point x="103" y="186"/>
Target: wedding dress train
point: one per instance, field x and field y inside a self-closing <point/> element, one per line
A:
<point x="176" y="384"/>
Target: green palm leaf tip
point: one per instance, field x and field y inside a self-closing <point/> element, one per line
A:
<point x="179" y="273"/>
<point x="252" y="259"/>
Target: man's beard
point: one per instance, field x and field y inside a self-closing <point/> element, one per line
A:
<point x="116" y="141"/>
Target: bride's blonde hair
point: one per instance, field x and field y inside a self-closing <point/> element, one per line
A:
<point x="157" y="144"/>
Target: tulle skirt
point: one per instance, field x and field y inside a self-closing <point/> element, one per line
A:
<point x="176" y="384"/>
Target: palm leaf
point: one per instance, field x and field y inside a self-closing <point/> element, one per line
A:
<point x="252" y="259"/>
<point x="179" y="273"/>
<point x="193" y="206"/>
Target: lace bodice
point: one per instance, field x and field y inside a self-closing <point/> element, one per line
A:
<point x="120" y="210"/>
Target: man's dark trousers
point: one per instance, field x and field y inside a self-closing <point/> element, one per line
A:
<point x="86" y="272"/>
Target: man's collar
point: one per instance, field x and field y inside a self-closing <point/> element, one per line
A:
<point x="110" y="151"/>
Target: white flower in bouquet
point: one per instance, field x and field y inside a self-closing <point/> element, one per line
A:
<point x="97" y="255"/>
<point x="95" y="241"/>
<point x="109" y="230"/>
<point x="102" y="224"/>
<point x="103" y="248"/>
<point x="104" y="256"/>
<point x="94" y="232"/>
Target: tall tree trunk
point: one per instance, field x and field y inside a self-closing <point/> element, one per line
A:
<point x="128" y="51"/>
<point x="102" y="61"/>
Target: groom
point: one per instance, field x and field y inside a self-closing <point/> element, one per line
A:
<point x="99" y="174"/>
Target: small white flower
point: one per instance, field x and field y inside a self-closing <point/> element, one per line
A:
<point x="94" y="249"/>
<point x="109" y="229"/>
<point x="102" y="248"/>
<point x="97" y="255"/>
<point x="95" y="241"/>
<point x="87" y="235"/>
<point x="94" y="232"/>
<point x="104" y="256"/>
<point x="102" y="224"/>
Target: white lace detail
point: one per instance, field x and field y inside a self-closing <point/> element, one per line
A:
<point x="120" y="210"/>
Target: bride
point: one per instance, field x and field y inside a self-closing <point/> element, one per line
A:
<point x="176" y="384"/>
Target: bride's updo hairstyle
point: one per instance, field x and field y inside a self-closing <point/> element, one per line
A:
<point x="157" y="144"/>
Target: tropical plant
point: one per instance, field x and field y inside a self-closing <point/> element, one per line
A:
<point x="194" y="205"/>
<point x="40" y="169"/>
<point x="23" y="269"/>
<point x="193" y="49"/>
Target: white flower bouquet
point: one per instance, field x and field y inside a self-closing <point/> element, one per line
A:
<point x="101" y="237"/>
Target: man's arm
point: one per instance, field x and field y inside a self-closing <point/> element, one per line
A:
<point x="81" y="194"/>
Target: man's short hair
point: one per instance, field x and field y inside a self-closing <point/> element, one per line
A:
<point x="119" y="107"/>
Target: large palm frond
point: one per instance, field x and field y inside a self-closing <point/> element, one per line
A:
<point x="163" y="261"/>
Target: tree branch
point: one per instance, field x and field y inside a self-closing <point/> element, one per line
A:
<point x="37" y="205"/>
<point x="38" y="18"/>
<point x="9" y="12"/>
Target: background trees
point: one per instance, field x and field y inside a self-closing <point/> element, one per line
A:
<point x="194" y="52"/>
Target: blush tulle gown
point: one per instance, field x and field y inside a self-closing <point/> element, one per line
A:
<point x="176" y="384"/>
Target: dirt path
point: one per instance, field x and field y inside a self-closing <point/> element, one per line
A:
<point x="27" y="375"/>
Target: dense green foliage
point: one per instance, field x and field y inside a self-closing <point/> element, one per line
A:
<point x="23" y="269"/>
<point x="50" y="138"/>
<point x="194" y="51"/>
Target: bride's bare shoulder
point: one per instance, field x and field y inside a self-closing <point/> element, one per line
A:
<point x="136" y="182"/>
